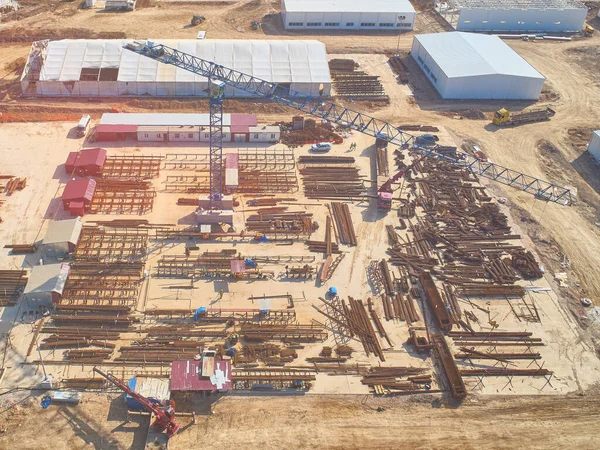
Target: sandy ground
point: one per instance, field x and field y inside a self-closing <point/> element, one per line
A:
<point x="224" y="20"/>
<point x="572" y="360"/>
<point x="37" y="151"/>
<point x="324" y="422"/>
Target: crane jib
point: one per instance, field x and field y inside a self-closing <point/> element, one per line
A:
<point x="324" y="109"/>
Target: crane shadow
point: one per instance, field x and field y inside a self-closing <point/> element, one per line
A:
<point x="83" y="429"/>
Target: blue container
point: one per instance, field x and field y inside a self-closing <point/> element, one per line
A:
<point x="200" y="312"/>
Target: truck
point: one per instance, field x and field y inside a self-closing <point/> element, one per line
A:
<point x="384" y="198"/>
<point x="504" y="118"/>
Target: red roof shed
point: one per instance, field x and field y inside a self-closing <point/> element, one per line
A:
<point x="185" y="376"/>
<point x="108" y="132"/>
<point x="241" y="123"/>
<point x="86" y="162"/>
<point x="78" y="195"/>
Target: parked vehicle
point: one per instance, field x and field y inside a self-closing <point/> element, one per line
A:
<point x="83" y="125"/>
<point x="426" y="140"/>
<point x="504" y="118"/>
<point x="321" y="147"/>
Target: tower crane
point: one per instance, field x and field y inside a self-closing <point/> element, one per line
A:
<point x="325" y="109"/>
<point x="164" y="415"/>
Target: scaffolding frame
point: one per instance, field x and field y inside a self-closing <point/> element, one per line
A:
<point x="132" y="167"/>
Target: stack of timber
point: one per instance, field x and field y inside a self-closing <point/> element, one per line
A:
<point x="390" y="380"/>
<point x="323" y="180"/>
<point x="357" y="85"/>
<point x="353" y="320"/>
<point x="66" y="336"/>
<point x="12" y="284"/>
<point x="15" y="184"/>
<point x="495" y="338"/>
<point x="343" y="223"/>
<point x="21" y="249"/>
<point x="296" y="223"/>
<point x="453" y="375"/>
<point x="399" y="68"/>
<point x="286" y="333"/>
<point x="159" y="349"/>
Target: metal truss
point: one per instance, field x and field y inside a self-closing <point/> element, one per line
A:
<point x="346" y="117"/>
<point x="216" y="149"/>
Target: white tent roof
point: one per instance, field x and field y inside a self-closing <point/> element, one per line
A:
<point x="371" y="6"/>
<point x="278" y="61"/>
<point x="516" y="4"/>
<point x="61" y="231"/>
<point x="47" y="278"/>
<point x="468" y="54"/>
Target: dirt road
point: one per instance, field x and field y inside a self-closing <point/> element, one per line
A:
<point x="322" y="422"/>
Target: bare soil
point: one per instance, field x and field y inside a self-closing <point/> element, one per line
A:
<point x="552" y="150"/>
<point x="319" y="422"/>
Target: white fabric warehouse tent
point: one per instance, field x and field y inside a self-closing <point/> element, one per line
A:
<point x="104" y="68"/>
<point x="550" y="16"/>
<point x="475" y="66"/>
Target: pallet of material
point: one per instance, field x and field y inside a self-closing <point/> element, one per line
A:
<point x="399" y="68"/>
<point x="453" y="375"/>
<point x="15" y="184"/>
<point x="343" y="223"/>
<point x="12" y="284"/>
<point x="21" y="249"/>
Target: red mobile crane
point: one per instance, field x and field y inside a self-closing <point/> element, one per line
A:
<point x="165" y="415"/>
<point x="386" y="192"/>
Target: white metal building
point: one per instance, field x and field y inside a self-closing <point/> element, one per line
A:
<point x="265" y="133"/>
<point x="119" y="5"/>
<point x="348" y="14"/>
<point x="61" y="238"/>
<point x="475" y="66"/>
<point x="594" y="145"/>
<point x="103" y="68"/>
<point x="542" y="16"/>
<point x="46" y="283"/>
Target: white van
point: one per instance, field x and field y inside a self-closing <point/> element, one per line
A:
<point x="83" y="125"/>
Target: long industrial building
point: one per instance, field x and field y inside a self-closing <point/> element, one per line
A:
<point x="348" y="14"/>
<point x="475" y="66"/>
<point x="103" y="68"/>
<point x="542" y="16"/>
<point x="182" y="128"/>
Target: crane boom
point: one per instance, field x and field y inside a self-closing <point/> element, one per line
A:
<point x="325" y="109"/>
<point x="163" y="415"/>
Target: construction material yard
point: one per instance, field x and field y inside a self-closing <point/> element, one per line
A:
<point x="328" y="282"/>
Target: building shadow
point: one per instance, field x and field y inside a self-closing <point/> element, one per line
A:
<point x="589" y="169"/>
<point x="61" y="174"/>
<point x="190" y="219"/>
<point x="72" y="134"/>
<point x="55" y="210"/>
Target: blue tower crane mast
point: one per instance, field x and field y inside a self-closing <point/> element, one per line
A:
<point x="216" y="92"/>
<point x="325" y="109"/>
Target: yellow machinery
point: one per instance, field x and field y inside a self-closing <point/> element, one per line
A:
<point x="588" y="29"/>
<point x="504" y="117"/>
<point x="501" y="116"/>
